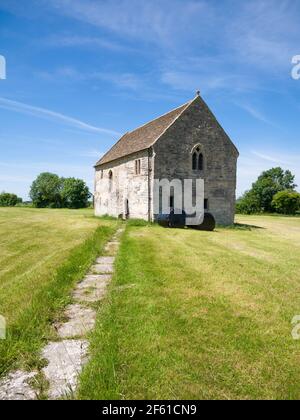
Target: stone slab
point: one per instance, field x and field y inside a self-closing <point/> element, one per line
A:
<point x="95" y="281"/>
<point x="81" y="320"/>
<point x="92" y="288"/>
<point x="15" y="386"/>
<point x="112" y="248"/>
<point x="102" y="268"/>
<point x="65" y="361"/>
<point x="105" y="260"/>
<point x="89" y="296"/>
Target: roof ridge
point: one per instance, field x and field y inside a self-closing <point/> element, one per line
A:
<point x="185" y="107"/>
<point x="144" y="136"/>
<point x="161" y="116"/>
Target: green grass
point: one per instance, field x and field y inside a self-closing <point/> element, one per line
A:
<point x="43" y="254"/>
<point x="200" y="315"/>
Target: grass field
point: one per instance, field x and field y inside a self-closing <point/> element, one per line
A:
<point x="43" y="253"/>
<point x="200" y="315"/>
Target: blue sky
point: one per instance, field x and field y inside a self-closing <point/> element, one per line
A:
<point x="80" y="72"/>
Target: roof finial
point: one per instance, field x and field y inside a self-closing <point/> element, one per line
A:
<point x="198" y="93"/>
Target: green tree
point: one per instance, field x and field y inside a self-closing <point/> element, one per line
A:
<point x="46" y="191"/>
<point x="260" y="197"/>
<point x="286" y="202"/>
<point x="248" y="204"/>
<point x="9" y="200"/>
<point x="270" y="183"/>
<point x="75" y="193"/>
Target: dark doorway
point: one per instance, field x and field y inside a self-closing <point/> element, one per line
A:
<point x="127" y="213"/>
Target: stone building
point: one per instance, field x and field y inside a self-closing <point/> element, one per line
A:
<point x="186" y="143"/>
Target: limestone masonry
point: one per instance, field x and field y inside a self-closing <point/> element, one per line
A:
<point x="186" y="143"/>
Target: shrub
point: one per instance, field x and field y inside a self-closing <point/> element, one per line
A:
<point x="260" y="198"/>
<point x="248" y="204"/>
<point x="46" y="191"/>
<point x="49" y="190"/>
<point x="75" y="193"/>
<point x="9" y="200"/>
<point x="286" y="202"/>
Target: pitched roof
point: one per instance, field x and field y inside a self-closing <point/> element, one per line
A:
<point x="143" y="137"/>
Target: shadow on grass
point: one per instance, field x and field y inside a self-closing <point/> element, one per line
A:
<point x="242" y="226"/>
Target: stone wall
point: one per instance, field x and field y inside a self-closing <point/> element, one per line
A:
<point x="110" y="198"/>
<point x="173" y="158"/>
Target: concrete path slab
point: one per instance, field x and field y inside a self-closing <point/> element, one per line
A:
<point x="89" y="295"/>
<point x="95" y="281"/>
<point x="105" y="260"/>
<point x="81" y="320"/>
<point x="102" y="268"/>
<point x="112" y="248"/>
<point x="16" y="387"/>
<point x="65" y="361"/>
<point x="92" y="288"/>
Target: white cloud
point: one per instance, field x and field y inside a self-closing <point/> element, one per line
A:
<point x="273" y="159"/>
<point x="148" y="20"/>
<point x="255" y="113"/>
<point x="82" y="41"/>
<point x="55" y="116"/>
<point x="129" y="81"/>
<point x="264" y="33"/>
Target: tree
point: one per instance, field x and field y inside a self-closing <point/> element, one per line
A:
<point x="75" y="193"/>
<point x="46" y="191"/>
<point x="248" y="204"/>
<point x="9" y="200"/>
<point x="260" y="197"/>
<point x="270" y="183"/>
<point x="286" y="202"/>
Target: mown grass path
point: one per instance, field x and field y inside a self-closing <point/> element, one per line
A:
<point x="200" y="315"/>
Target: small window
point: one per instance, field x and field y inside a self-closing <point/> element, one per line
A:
<point x="138" y="166"/>
<point x="200" y="162"/>
<point x="110" y="176"/>
<point x="195" y="161"/>
<point x="206" y="204"/>
<point x="101" y="175"/>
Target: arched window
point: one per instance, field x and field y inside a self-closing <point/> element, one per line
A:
<point x="197" y="159"/>
<point x="200" y="162"/>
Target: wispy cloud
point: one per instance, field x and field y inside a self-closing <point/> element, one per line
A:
<point x="281" y="159"/>
<point x="255" y="113"/>
<point x="184" y="39"/>
<point x="129" y="81"/>
<point x="152" y="20"/>
<point x="55" y="116"/>
<point x="64" y="41"/>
